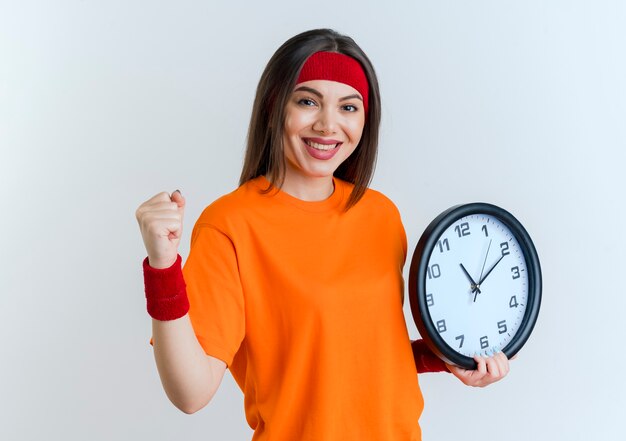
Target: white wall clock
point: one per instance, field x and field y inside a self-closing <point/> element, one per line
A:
<point x="475" y="284"/>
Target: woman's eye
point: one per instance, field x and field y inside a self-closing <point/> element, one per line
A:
<point x="306" y="102"/>
<point x="350" y="108"/>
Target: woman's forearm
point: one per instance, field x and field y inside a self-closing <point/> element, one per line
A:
<point x="190" y="378"/>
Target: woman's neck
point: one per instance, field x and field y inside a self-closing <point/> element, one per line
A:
<point x="308" y="188"/>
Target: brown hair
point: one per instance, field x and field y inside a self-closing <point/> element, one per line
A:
<point x="265" y="150"/>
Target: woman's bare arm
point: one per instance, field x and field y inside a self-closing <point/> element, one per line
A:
<point x="190" y="378"/>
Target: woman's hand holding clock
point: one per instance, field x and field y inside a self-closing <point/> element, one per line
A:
<point x="488" y="370"/>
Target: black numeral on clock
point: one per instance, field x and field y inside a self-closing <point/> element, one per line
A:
<point x="430" y="301"/>
<point x="515" y="272"/>
<point x="441" y="244"/>
<point x="463" y="229"/>
<point x="502" y="327"/>
<point x="484" y="343"/>
<point x="441" y="326"/>
<point x="434" y="271"/>
<point x="484" y="228"/>
<point x="462" y="338"/>
<point x="504" y="246"/>
<point x="513" y="302"/>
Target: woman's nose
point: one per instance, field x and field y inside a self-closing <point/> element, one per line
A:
<point x="326" y="122"/>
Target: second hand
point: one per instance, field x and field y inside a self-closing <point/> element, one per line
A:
<point x="481" y="271"/>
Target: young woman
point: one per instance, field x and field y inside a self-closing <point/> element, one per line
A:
<point x="294" y="280"/>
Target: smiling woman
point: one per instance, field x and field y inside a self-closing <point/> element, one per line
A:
<point x="294" y="280"/>
<point x="322" y="56"/>
<point x="323" y="126"/>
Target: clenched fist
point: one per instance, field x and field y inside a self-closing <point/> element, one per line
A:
<point x="161" y="223"/>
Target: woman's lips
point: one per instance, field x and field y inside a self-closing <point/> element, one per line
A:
<point x="320" y="148"/>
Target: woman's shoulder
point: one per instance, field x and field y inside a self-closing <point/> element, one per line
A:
<point x="374" y="199"/>
<point x="229" y="207"/>
<point x="379" y="198"/>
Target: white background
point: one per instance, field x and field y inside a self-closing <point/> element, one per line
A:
<point x="103" y="104"/>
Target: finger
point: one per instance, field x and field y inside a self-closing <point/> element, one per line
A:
<point x="163" y="205"/>
<point x="492" y="368"/>
<point x="159" y="197"/>
<point x="481" y="365"/>
<point x="156" y="199"/>
<point x="155" y="215"/>
<point x="177" y="197"/>
<point x="164" y="227"/>
<point x="175" y="230"/>
<point x="478" y="375"/>
<point x="450" y="366"/>
<point x="151" y="221"/>
<point x="457" y="371"/>
<point x="465" y="375"/>
<point x="503" y="363"/>
<point x="156" y="205"/>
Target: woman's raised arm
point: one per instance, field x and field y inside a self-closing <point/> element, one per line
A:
<point x="190" y="378"/>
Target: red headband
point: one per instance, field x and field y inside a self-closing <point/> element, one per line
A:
<point x="337" y="67"/>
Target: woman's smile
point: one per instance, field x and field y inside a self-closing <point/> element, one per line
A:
<point x="321" y="144"/>
<point x="321" y="149"/>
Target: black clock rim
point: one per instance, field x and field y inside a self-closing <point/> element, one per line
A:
<point x="417" y="280"/>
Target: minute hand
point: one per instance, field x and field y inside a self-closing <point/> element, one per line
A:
<point x="490" y="269"/>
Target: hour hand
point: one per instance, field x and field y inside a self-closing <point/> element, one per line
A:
<point x="475" y="287"/>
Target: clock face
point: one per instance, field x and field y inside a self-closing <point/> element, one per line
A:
<point x="476" y="285"/>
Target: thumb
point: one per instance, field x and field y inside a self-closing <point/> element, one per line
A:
<point x="455" y="369"/>
<point x="177" y="197"/>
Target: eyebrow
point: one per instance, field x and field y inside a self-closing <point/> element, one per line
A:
<point x="318" y="93"/>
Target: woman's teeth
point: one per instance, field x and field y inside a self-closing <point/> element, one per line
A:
<point x="324" y="147"/>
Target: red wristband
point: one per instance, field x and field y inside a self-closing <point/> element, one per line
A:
<point x="166" y="292"/>
<point x="425" y="360"/>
